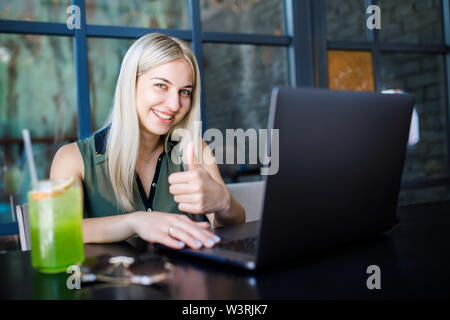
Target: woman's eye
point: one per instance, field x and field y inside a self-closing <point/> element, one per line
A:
<point x="160" y="85"/>
<point x="186" y="92"/>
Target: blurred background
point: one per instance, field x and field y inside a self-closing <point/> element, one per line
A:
<point x="59" y="83"/>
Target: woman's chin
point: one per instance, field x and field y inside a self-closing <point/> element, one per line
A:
<point x="156" y="129"/>
<point x="157" y="126"/>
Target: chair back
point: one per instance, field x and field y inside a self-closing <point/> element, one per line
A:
<point x="250" y="195"/>
<point x="24" y="226"/>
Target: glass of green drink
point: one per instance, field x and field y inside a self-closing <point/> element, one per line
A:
<point x="55" y="215"/>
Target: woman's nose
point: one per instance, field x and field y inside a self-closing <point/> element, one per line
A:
<point x="173" y="101"/>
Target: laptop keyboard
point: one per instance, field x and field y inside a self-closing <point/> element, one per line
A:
<point x="247" y="245"/>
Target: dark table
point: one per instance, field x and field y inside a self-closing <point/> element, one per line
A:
<point x="413" y="258"/>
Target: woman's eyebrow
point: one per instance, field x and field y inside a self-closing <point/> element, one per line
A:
<point x="165" y="80"/>
<point x="162" y="79"/>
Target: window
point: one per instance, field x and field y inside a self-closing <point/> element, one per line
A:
<point x="235" y="95"/>
<point x="105" y="56"/>
<point x="411" y="21"/>
<point x="423" y="76"/>
<point x="251" y="16"/>
<point x="346" y="20"/>
<point x="350" y="70"/>
<point x="34" y="10"/>
<point x="164" y="14"/>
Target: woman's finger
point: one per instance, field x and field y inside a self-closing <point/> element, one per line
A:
<point x="182" y="188"/>
<point x="182" y="233"/>
<point x="202" y="224"/>
<point x="188" y="198"/>
<point x="182" y="177"/>
<point x="190" y="207"/>
<point x="171" y="242"/>
<point x="208" y="239"/>
<point x="196" y="224"/>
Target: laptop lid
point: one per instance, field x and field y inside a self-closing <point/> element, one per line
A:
<point x="341" y="156"/>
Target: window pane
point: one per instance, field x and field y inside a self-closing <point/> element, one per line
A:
<point x="105" y="57"/>
<point x="166" y="14"/>
<point x="38" y="92"/>
<point x="238" y="83"/>
<point x="411" y="21"/>
<point x="346" y="20"/>
<point x="35" y="10"/>
<point x="250" y="16"/>
<point x="350" y="70"/>
<point x="422" y="75"/>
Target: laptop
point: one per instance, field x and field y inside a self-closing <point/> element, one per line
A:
<point x="341" y="156"/>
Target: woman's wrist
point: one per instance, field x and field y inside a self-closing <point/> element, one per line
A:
<point x="225" y="207"/>
<point x="132" y="221"/>
<point x="231" y="212"/>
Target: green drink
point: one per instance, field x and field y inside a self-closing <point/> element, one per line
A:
<point x="55" y="214"/>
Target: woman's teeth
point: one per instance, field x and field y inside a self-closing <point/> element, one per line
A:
<point x="162" y="115"/>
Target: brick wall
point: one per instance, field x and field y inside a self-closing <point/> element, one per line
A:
<point x="346" y="20"/>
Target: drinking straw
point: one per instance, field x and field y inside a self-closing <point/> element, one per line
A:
<point x="29" y="153"/>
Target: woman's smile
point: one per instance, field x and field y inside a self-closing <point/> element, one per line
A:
<point x="163" y="117"/>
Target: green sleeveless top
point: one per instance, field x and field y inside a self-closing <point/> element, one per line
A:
<point x="99" y="200"/>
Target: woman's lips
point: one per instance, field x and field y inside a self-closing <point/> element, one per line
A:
<point x="162" y="116"/>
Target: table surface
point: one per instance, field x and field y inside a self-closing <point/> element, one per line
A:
<point x="413" y="258"/>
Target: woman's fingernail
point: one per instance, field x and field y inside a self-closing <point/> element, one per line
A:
<point x="216" y="238"/>
<point x="181" y="244"/>
<point x="210" y="242"/>
<point x="197" y="243"/>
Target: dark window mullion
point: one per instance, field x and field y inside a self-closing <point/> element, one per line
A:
<point x="446" y="22"/>
<point x="374" y="37"/>
<point x="196" y="27"/>
<point x="348" y="45"/>
<point x="370" y="32"/>
<point x="121" y="32"/>
<point x="320" y="38"/>
<point x="81" y="67"/>
<point x="388" y="47"/>
<point x="446" y="30"/>
<point x="35" y="27"/>
<point x="301" y="53"/>
<point x="245" y="38"/>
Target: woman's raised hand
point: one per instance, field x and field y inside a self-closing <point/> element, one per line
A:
<point x="195" y="190"/>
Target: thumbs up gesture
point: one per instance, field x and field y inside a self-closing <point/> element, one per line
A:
<point x="195" y="190"/>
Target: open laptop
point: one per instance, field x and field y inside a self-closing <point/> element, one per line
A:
<point x="341" y="156"/>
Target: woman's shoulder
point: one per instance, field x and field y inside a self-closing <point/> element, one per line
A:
<point x="67" y="162"/>
<point x="73" y="157"/>
<point x="96" y="142"/>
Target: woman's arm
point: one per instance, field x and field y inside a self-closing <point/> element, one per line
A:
<point x="152" y="227"/>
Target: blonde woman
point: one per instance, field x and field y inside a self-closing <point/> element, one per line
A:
<point x="131" y="184"/>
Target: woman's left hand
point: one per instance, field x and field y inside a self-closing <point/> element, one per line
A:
<point x="196" y="191"/>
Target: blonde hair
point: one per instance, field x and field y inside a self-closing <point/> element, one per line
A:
<point x="123" y="140"/>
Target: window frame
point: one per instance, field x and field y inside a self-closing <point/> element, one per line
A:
<point x="305" y="39"/>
